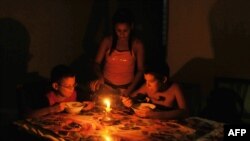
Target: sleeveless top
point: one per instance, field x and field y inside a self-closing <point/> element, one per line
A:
<point x="119" y="67"/>
<point x="53" y="100"/>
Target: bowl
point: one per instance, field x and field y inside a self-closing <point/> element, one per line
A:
<point x="73" y="107"/>
<point x="147" y="105"/>
<point x="144" y="107"/>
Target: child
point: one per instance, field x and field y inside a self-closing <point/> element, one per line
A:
<point x="161" y="92"/>
<point x="63" y="83"/>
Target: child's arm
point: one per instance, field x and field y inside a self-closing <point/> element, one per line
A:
<point x="172" y="114"/>
<point x="47" y="110"/>
<point x="128" y="101"/>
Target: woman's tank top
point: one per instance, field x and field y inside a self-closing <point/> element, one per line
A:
<point x="119" y="67"/>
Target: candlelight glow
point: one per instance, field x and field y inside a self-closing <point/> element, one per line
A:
<point x="106" y="135"/>
<point x="107" y="102"/>
<point x="107" y="138"/>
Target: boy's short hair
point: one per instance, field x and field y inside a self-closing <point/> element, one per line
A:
<point x="61" y="71"/>
<point x="159" y="70"/>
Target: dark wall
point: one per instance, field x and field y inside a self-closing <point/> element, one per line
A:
<point x="36" y="35"/>
<point x="229" y="30"/>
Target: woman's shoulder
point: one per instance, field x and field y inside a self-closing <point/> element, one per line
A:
<point x="106" y="42"/>
<point x="137" y="41"/>
<point x="137" y="45"/>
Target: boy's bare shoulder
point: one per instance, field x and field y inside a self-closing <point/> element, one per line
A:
<point x="175" y="86"/>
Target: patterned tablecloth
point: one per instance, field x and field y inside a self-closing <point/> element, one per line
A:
<point x="96" y="126"/>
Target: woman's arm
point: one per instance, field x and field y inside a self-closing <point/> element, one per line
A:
<point x="100" y="56"/>
<point x="139" y="54"/>
<point x="95" y="85"/>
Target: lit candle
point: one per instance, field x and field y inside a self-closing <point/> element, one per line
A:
<point x="107" y="102"/>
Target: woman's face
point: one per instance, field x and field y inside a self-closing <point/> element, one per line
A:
<point x="67" y="86"/>
<point x="152" y="83"/>
<point x="122" y="31"/>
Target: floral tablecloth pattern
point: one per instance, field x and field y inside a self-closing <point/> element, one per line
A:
<point x="91" y="126"/>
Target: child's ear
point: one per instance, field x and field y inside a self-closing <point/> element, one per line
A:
<point x="55" y="85"/>
<point x="165" y="79"/>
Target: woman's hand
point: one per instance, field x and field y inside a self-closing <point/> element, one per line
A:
<point x="127" y="102"/>
<point x="95" y="85"/>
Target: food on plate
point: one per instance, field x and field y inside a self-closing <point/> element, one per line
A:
<point x="144" y="106"/>
<point x="149" y="105"/>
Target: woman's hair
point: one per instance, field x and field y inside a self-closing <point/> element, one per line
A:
<point x="122" y="16"/>
<point x="61" y="71"/>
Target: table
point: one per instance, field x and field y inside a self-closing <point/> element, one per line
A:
<point x="91" y="126"/>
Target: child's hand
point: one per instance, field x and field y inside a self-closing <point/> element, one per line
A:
<point x="143" y="112"/>
<point x="59" y="107"/>
<point x="127" y="102"/>
<point x="88" y="105"/>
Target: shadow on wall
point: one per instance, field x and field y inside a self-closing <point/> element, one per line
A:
<point x="14" y="45"/>
<point x="98" y="19"/>
<point x="230" y="30"/>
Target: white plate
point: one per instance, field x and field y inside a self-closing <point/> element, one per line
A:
<point x="73" y="107"/>
<point x="143" y="106"/>
<point x="73" y="104"/>
<point x="149" y="105"/>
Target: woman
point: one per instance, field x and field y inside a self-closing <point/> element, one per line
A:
<point x="122" y="55"/>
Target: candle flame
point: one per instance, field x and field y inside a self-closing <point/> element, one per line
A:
<point x="107" y="102"/>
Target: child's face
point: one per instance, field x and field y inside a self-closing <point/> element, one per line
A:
<point x="67" y="86"/>
<point x="152" y="84"/>
<point x="122" y="30"/>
